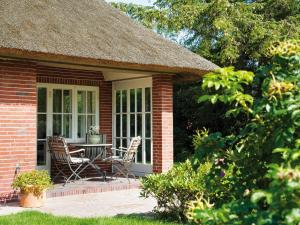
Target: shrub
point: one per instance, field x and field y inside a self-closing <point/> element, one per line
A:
<point x="35" y="182"/>
<point x="175" y="188"/>
<point x="265" y="183"/>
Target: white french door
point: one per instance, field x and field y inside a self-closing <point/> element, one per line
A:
<point x="65" y="110"/>
<point x="132" y="116"/>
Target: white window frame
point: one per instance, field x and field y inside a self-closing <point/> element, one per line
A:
<point x="127" y="85"/>
<point x="74" y="89"/>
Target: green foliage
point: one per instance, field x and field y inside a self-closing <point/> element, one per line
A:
<point x="174" y="189"/>
<point x="227" y="86"/>
<point x="190" y="117"/>
<point x="35" y="182"/>
<point x="270" y="177"/>
<point x="227" y="32"/>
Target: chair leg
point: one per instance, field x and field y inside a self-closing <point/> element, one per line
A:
<point x="59" y="172"/>
<point x="73" y="174"/>
<point x="123" y="171"/>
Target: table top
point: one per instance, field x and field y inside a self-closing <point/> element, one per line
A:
<point x="90" y="145"/>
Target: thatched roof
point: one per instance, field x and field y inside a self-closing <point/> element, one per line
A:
<point x="92" y="32"/>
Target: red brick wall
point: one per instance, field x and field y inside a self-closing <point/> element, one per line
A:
<point x="17" y="120"/>
<point x="162" y="100"/>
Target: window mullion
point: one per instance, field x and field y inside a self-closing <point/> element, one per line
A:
<point x="143" y="127"/>
<point x="135" y="116"/>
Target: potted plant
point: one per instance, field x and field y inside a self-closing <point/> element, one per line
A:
<point x="94" y="135"/>
<point x="32" y="186"/>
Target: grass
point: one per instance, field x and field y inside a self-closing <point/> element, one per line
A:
<point x="37" y="218"/>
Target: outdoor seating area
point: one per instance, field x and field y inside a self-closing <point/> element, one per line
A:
<point x="71" y="164"/>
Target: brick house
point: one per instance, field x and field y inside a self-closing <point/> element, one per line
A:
<point x="67" y="65"/>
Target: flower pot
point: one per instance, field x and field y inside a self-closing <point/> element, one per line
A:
<point x="94" y="139"/>
<point x="29" y="200"/>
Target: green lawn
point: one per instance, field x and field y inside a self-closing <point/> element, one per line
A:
<point x="37" y="218"/>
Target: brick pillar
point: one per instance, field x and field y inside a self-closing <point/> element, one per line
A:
<point x="17" y="121"/>
<point x="162" y="101"/>
<point x="106" y="109"/>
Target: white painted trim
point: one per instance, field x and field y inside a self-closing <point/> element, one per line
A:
<point x="137" y="168"/>
<point x="74" y="113"/>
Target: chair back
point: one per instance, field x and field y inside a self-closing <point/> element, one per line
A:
<point x="58" y="148"/>
<point x="132" y="149"/>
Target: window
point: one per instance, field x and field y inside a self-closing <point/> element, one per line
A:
<point x="66" y="110"/>
<point x="132" y="117"/>
<point x="86" y="111"/>
<point x="41" y="126"/>
<point x="62" y="112"/>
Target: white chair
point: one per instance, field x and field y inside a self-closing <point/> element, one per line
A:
<point x="122" y="162"/>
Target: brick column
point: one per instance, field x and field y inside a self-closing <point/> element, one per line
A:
<point x="106" y="109"/>
<point x="162" y="101"/>
<point x="17" y="120"/>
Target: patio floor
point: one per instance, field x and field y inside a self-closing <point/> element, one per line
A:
<point x="92" y="205"/>
<point x="93" y="185"/>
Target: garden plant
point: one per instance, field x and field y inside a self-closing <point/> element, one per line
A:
<point x="253" y="177"/>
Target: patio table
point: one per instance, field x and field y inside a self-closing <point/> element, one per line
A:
<point x="94" y="152"/>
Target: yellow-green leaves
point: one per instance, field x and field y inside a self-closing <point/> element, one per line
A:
<point x="227" y="86"/>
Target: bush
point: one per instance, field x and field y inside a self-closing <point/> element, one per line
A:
<point x="175" y="188"/>
<point x="264" y="185"/>
<point x="35" y="182"/>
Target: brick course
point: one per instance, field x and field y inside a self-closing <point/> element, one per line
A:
<point x="17" y="120"/>
<point x="162" y="100"/>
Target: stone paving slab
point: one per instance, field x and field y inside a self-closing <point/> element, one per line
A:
<point x="92" y="205"/>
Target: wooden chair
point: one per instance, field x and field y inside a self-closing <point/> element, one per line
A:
<point x="62" y="158"/>
<point x="121" y="163"/>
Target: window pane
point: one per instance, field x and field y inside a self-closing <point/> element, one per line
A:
<point x="124" y="101"/>
<point x="57" y="124"/>
<point x="132" y="100"/>
<point x="148" y="151"/>
<point x="42" y="125"/>
<point x="124" y="142"/>
<point x="140" y="154"/>
<point x="147" y="99"/>
<point x="139" y="124"/>
<point x="81" y="100"/>
<point x="57" y="100"/>
<point x="41" y="153"/>
<point x="118" y="144"/>
<point x="148" y="124"/>
<point x="42" y="100"/>
<point x="91" y="121"/>
<point x="91" y="102"/>
<point x="118" y="125"/>
<point x="118" y="103"/>
<point x="139" y="99"/>
<point x="124" y="126"/>
<point x="81" y="126"/>
<point x="132" y="125"/>
<point x="67" y="126"/>
<point x="67" y="101"/>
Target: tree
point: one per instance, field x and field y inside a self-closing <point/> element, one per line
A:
<point x="227" y="32"/>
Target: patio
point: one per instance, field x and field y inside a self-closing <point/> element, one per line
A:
<point x="122" y="202"/>
<point x="81" y="187"/>
<point x="92" y="185"/>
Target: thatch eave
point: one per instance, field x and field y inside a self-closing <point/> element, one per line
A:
<point x="183" y="74"/>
